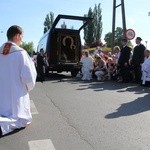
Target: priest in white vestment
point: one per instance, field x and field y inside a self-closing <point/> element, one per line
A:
<point x="146" y="69"/>
<point x="17" y="78"/>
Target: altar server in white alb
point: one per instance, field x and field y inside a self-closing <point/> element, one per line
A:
<point x="146" y="69"/>
<point x="87" y="66"/>
<point x="17" y="78"/>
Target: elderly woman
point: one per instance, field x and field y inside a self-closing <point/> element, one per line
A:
<point x="117" y="53"/>
<point x="100" y="68"/>
<point x="111" y="68"/>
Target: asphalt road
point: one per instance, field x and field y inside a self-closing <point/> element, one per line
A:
<point x="70" y="114"/>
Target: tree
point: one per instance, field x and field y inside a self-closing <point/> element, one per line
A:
<point x="97" y="20"/>
<point x="108" y="39"/>
<point x="118" y="37"/>
<point x="64" y="26"/>
<point x="93" y="31"/>
<point x="49" y="20"/>
<point x="29" y="47"/>
<point x="89" y="29"/>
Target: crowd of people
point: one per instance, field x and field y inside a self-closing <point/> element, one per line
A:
<point x="19" y="74"/>
<point x="125" y="65"/>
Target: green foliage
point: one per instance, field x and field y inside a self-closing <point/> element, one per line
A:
<point x="29" y="47"/>
<point x="118" y="37"/>
<point x="108" y="39"/>
<point x="97" y="20"/>
<point x="93" y="31"/>
<point x="89" y="29"/>
<point x="49" y="20"/>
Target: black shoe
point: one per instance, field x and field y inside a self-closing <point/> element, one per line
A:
<point x="0" y="132"/>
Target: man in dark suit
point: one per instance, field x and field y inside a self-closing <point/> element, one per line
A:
<point x="40" y="66"/>
<point x="123" y="62"/>
<point x="138" y="59"/>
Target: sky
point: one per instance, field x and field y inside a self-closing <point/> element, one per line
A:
<point x="30" y="15"/>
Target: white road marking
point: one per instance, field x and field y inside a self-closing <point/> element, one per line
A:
<point x="33" y="108"/>
<point x="41" y="145"/>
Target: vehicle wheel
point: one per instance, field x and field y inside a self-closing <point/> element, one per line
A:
<point x="74" y="73"/>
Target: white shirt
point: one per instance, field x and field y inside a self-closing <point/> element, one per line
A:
<point x="146" y="70"/>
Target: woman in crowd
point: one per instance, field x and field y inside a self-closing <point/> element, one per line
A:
<point x="100" y="68"/>
<point x="110" y="68"/>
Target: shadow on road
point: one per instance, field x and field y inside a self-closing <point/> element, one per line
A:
<point x="137" y="106"/>
<point x="13" y="132"/>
